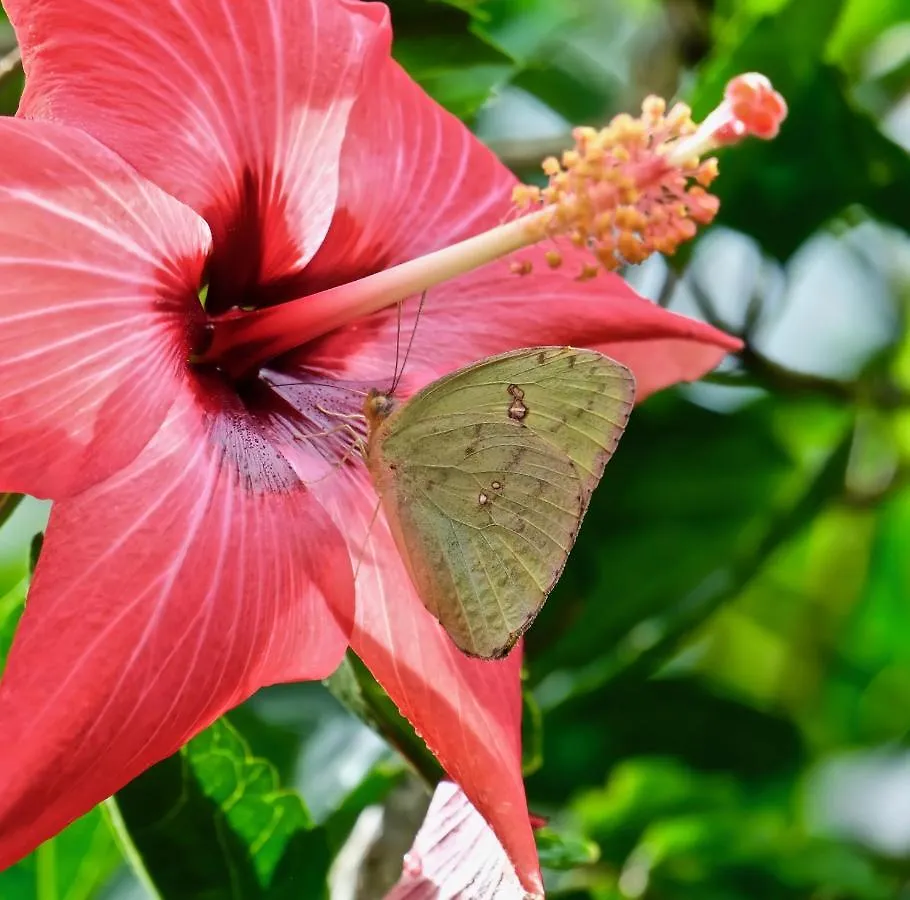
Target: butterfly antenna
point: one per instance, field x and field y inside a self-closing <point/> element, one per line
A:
<point x="329" y="384"/>
<point x="399" y="373"/>
<point x="397" y="344"/>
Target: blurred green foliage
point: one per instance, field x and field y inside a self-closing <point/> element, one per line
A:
<point x="212" y="821"/>
<point x="718" y="693"/>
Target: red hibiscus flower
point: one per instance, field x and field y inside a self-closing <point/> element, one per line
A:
<point x="207" y="506"/>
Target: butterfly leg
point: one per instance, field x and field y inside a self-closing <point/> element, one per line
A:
<point x="356" y="445"/>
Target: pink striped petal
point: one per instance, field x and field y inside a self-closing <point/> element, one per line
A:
<point x="98" y="274"/>
<point x="164" y="596"/>
<point x="456" y="856"/>
<point x="413" y="179"/>
<point x="467" y="710"/>
<point x="491" y="311"/>
<point x="237" y="108"/>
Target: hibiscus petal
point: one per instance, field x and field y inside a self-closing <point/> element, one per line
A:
<point x="163" y="597"/>
<point x="98" y="273"/>
<point x="236" y="108"/>
<point x="456" y="856"/>
<point x="492" y="310"/>
<point x="442" y="185"/>
<point x="468" y="711"/>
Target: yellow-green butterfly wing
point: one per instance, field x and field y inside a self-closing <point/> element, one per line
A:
<point x="485" y="476"/>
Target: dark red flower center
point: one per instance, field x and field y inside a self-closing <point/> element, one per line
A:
<point x="254" y="259"/>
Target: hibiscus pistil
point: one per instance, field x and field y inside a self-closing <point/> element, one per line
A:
<point x="636" y="187"/>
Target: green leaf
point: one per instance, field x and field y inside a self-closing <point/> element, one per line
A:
<point x="699" y="835"/>
<point x="75" y="865"/>
<point x="374" y="789"/>
<point x="857" y="584"/>
<point x="460" y="72"/>
<point x="861" y="23"/>
<point x="446" y="51"/>
<point x="278" y="744"/>
<point x="531" y="733"/>
<point x="829" y="154"/>
<point x="572" y="94"/>
<point x="11" y="607"/>
<point x="564" y="851"/>
<point x="212" y="822"/>
<point x="525" y="29"/>
<point x="78" y="862"/>
<point x="9" y="503"/>
<point x="354" y="686"/>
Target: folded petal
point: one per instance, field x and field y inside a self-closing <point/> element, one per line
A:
<point x="456" y="856"/>
<point x="98" y="277"/>
<point x="467" y="710"/>
<point x="492" y="310"/>
<point x="237" y="108"/>
<point x="163" y="597"/>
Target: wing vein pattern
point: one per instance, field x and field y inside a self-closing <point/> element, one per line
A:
<point x="485" y="476"/>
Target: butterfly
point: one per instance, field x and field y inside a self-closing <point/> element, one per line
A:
<point x="484" y="477"/>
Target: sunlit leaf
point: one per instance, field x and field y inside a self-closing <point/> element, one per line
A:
<point x="686" y="835"/>
<point x="75" y="865"/>
<point x="446" y="51"/>
<point x="564" y="851"/>
<point x="861" y="23"/>
<point x="353" y="686"/>
<point x="212" y="821"/>
<point x="11" y="606"/>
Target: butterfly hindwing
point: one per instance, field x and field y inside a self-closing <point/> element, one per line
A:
<point x="485" y="476"/>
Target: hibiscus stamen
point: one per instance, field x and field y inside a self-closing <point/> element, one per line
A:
<point x="633" y="188"/>
<point x="639" y="186"/>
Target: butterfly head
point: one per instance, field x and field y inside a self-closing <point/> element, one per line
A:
<point x="378" y="407"/>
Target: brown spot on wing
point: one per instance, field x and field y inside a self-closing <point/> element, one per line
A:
<point x="517" y="410"/>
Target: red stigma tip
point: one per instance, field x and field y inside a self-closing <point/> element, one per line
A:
<point x="753" y="108"/>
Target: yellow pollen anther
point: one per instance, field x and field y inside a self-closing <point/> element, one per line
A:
<point x="551" y="166"/>
<point x="524" y="267"/>
<point x="638" y="186"/>
<point x="525" y="195"/>
<point x="588" y="271"/>
<point x="653" y="108"/>
<point x="553" y="258"/>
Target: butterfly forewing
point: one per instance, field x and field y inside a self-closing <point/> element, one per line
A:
<point x="485" y="476"/>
